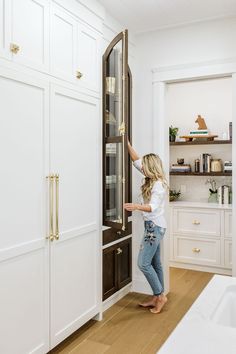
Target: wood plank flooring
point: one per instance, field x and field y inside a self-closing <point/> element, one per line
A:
<point x="129" y="329"/>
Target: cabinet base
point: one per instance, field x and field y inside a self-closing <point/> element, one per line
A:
<point x="116" y="297"/>
<point x="216" y="270"/>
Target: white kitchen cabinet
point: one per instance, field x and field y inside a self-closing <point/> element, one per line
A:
<point x="63" y="44"/>
<point x="5" y="35"/>
<point x="24" y="32"/>
<point x="201" y="236"/>
<point x="24" y="253"/>
<point x="75" y="280"/>
<point x="88" y="57"/>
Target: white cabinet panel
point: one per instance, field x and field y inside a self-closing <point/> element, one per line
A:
<point x="88" y="57"/>
<point x="228" y="254"/>
<point x="75" y="156"/>
<point x="63" y="45"/>
<point x="23" y="165"/>
<point x="228" y="224"/>
<point x="197" y="251"/>
<point x="24" y="265"/>
<point x="5" y="12"/>
<point x="30" y="30"/>
<point x="24" y="304"/>
<point x="196" y="222"/>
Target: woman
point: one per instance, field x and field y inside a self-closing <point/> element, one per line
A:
<point x="153" y="191"/>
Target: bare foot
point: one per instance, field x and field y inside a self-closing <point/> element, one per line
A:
<point x="160" y="302"/>
<point x="150" y="303"/>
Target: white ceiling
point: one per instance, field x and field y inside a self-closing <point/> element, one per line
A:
<point x="147" y="15"/>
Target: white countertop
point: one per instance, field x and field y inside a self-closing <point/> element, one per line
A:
<point x="185" y="204"/>
<point x="197" y="333"/>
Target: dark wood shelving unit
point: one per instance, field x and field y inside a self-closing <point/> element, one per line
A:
<point x="201" y="142"/>
<point x="225" y="174"/>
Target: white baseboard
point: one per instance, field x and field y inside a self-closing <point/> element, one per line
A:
<point x="200" y="268"/>
<point x="116" y="297"/>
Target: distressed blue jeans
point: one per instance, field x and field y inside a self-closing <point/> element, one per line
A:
<point x="149" y="258"/>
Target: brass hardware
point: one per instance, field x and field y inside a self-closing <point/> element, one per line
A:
<point x="14" y="48"/>
<point x="51" y="206"/>
<point x="57" y="207"/>
<point x="119" y="251"/>
<point x="195" y="222"/>
<point x="78" y="74"/>
<point x="122" y="128"/>
<point x="196" y="250"/>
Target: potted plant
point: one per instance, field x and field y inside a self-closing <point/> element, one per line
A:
<point x="173" y="195"/>
<point x="173" y="131"/>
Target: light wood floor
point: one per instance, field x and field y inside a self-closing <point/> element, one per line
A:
<point x="129" y="329"/>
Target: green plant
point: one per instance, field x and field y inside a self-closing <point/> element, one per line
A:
<point x="174" y="195"/>
<point x="173" y="131"/>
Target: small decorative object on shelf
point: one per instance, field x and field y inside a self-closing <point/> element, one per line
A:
<point x="230" y="131"/>
<point x="173" y="133"/>
<point x="180" y="161"/>
<point x="174" y="195"/>
<point x="216" y="165"/>
<point x="197" y="165"/>
<point x="201" y="133"/>
<point x="213" y="191"/>
<point x="224" y="194"/>
<point x="227" y="166"/>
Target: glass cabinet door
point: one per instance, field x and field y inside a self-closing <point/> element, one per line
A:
<point x="115" y="119"/>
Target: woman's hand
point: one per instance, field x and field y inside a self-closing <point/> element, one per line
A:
<point x="130" y="206"/>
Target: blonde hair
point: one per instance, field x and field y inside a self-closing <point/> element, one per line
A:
<point x="153" y="171"/>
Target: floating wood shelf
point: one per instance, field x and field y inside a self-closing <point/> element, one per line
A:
<point x="201" y="142"/>
<point x="201" y="174"/>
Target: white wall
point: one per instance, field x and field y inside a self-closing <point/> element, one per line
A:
<point x="184" y="101"/>
<point x="196" y="43"/>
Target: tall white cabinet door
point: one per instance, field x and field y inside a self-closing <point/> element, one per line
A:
<point x="63" y="44"/>
<point x="24" y="257"/>
<point x="75" y="257"/>
<point x="88" y="57"/>
<point x="5" y="12"/>
<point x="30" y="31"/>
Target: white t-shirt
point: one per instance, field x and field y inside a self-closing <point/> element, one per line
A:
<point x="157" y="201"/>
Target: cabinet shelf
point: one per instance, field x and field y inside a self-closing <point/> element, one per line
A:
<point x="225" y="174"/>
<point x="200" y="142"/>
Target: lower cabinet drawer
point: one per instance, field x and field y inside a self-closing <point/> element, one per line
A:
<point x="197" y="251"/>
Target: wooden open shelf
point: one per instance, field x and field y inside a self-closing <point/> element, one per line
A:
<point x="201" y="173"/>
<point x="201" y="142"/>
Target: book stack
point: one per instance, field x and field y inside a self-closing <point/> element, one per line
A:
<point x="202" y="132"/>
<point x="180" y="168"/>
<point x="205" y="163"/>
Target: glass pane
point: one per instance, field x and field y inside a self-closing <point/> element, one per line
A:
<point x="113" y="195"/>
<point x="114" y="91"/>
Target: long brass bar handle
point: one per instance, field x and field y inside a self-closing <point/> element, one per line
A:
<point x="51" y="206"/>
<point x="57" y="207"/>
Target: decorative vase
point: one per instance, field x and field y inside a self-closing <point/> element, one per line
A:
<point x="172" y="138"/>
<point x="212" y="198"/>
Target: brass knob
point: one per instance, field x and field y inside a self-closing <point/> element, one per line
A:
<point x="14" y="48"/>
<point x="50" y="237"/>
<point x="119" y="251"/>
<point x="195" y="222"/>
<point x="196" y="250"/>
<point x="78" y="74"/>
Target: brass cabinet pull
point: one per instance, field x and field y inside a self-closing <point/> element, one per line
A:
<point x="195" y="222"/>
<point x="119" y="251"/>
<point x="79" y="74"/>
<point x="196" y="250"/>
<point x="51" y="206"/>
<point x="14" y="48"/>
<point x="57" y="207"/>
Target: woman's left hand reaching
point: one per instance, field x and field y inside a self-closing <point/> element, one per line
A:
<point x="130" y="206"/>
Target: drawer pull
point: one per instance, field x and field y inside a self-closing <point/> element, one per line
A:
<point x="196" y="250"/>
<point x="78" y="74"/>
<point x="195" y="222"/>
<point x="119" y="251"/>
<point x="14" y="48"/>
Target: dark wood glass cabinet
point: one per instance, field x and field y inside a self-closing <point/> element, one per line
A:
<point x="117" y="189"/>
